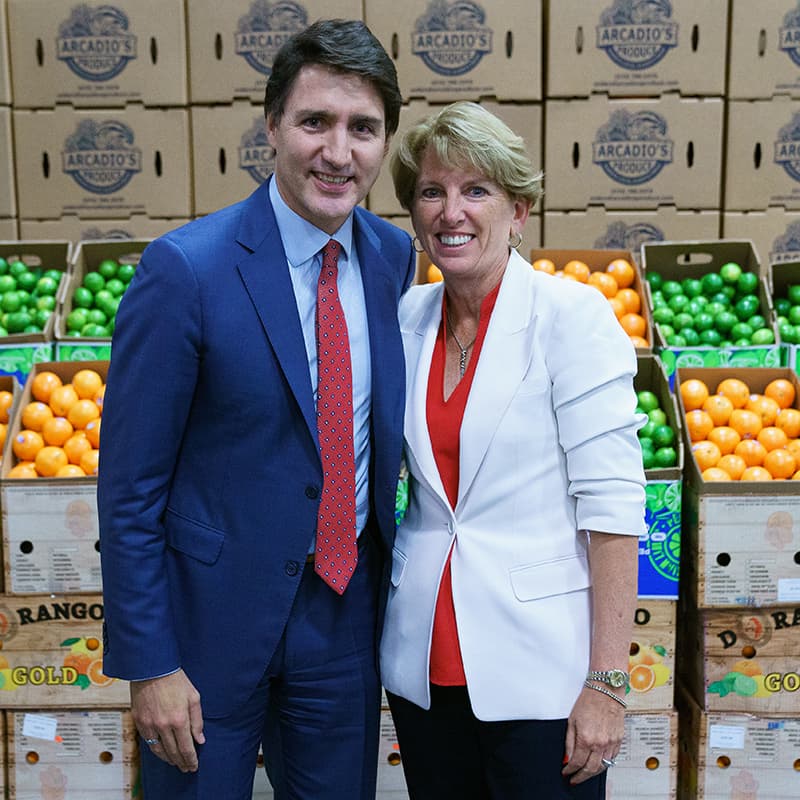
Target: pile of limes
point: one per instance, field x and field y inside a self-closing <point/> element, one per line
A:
<point x="657" y="437"/>
<point x="96" y="299"/>
<point x="720" y="309"/>
<point x="787" y="310"/>
<point x="27" y="296"/>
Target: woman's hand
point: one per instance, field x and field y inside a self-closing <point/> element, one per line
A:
<point x="594" y="732"/>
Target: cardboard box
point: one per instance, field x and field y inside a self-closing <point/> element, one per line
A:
<point x="739" y="541"/>
<point x="9" y="230"/>
<point x="98" y="55"/>
<point x="598" y="227"/>
<point x="453" y="50"/>
<point x="598" y="260"/>
<point x="626" y="50"/>
<point x="73" y="755"/>
<point x="774" y="232"/>
<point x="8" y="191"/>
<point x="53" y="653"/>
<point x="525" y="119"/>
<point x="762" y="154"/>
<point x="232" y="45"/>
<point x="75" y="229"/>
<point x="652" y="657"/>
<point x="103" y="164"/>
<point x="680" y="260"/>
<point x="633" y="154"/>
<point x="730" y="756"/>
<point x="5" y="61"/>
<point x="781" y="275"/>
<point x="230" y="154"/>
<point x="50" y="527"/>
<point x="647" y="763"/>
<point x="743" y="660"/>
<point x="764" y="55"/>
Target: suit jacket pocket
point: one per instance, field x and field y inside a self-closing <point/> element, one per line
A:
<point x="548" y="578"/>
<point x="193" y="538"/>
<point x="399" y="562"/>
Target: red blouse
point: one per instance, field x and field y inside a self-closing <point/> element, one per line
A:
<point x="444" y="428"/>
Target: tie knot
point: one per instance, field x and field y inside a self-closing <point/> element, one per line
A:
<point x="330" y="253"/>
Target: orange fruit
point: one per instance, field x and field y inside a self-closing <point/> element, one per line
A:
<point x="70" y="471"/>
<point x="693" y="393"/>
<point x="796" y="476"/>
<point x="737" y="390"/>
<point x="780" y="464"/>
<point x="698" y="424"/>
<point x="578" y="269"/>
<point x="755" y="474"/>
<point x="603" y="282"/>
<point x="6" y="399"/>
<point x="633" y="324"/>
<point x="24" y="469"/>
<point x="79" y="661"/>
<point x="745" y="422"/>
<point x="718" y="407"/>
<point x="715" y="474"/>
<point x="781" y="390"/>
<point x="567" y="277"/>
<point x="751" y="451"/>
<point x="49" y="460"/>
<point x="434" y="274"/>
<point x="92" y="643"/>
<point x="89" y="462"/>
<point x="623" y="272"/>
<point x="793" y="446"/>
<point x="92" y="431"/>
<point x="57" y="430"/>
<point x="27" y="444"/>
<point x="62" y="398"/>
<point x="544" y="265"/>
<point x="765" y="407"/>
<point x="76" y="446"/>
<point x="788" y="420"/>
<point x="725" y="438"/>
<point x="87" y="383"/>
<point x="617" y="306"/>
<point x="639" y="341"/>
<point x="706" y="454"/>
<point x="43" y="384"/>
<point x="82" y="412"/>
<point x="35" y="414"/>
<point x="642" y="678"/>
<point x="732" y="464"/>
<point x="630" y="299"/>
<point x="772" y="438"/>
<point x="3" y="433"/>
<point x="96" y="675"/>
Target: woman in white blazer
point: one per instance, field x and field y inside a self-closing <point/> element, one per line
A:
<point x="514" y="571"/>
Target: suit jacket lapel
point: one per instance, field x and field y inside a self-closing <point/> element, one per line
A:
<point x="265" y="273"/>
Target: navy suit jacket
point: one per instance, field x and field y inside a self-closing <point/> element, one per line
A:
<point x="211" y="476"/>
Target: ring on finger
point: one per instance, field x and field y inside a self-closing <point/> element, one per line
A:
<point x="607" y="762"/>
<point x="151" y="742"/>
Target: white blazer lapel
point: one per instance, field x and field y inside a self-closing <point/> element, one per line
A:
<point x="503" y="362"/>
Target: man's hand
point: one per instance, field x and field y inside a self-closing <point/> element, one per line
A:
<point x="168" y="709"/>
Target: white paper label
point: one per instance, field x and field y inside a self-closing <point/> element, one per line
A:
<point x="38" y="726"/>
<point x="727" y="737"/>
<point x="788" y="590"/>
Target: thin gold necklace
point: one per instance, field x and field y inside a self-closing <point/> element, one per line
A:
<point x="462" y="359"/>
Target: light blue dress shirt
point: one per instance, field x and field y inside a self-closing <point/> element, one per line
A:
<point x="303" y="243"/>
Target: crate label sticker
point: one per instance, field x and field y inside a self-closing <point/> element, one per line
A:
<point x="788" y="590"/>
<point x="726" y="737"/>
<point x="38" y="726"/>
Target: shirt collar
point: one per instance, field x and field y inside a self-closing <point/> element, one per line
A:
<point x="302" y="240"/>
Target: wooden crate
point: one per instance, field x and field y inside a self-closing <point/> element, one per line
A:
<point x="652" y="656"/>
<point x="647" y="764"/>
<point x="50" y="528"/>
<point x="3" y="755"/>
<point x="731" y="756"/>
<point x="72" y="755"/>
<point x="741" y="659"/>
<point x="52" y="649"/>
<point x="391" y="781"/>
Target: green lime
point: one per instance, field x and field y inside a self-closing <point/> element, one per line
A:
<point x="692" y="287"/>
<point x="711" y="338"/>
<point x="712" y="282"/>
<point x="3" y="266"/>
<point x="108" y="268"/>
<point x="82" y="297"/>
<point x="742" y="342"/>
<point x="682" y="321"/>
<point x="76" y="319"/>
<point x="782" y="306"/>
<point x="655" y="280"/>
<point x="678" y="302"/>
<point x="763" y="336"/>
<point x="747" y="283"/>
<point x="725" y="320"/>
<point x="666" y="331"/>
<point x="657" y="415"/>
<point x="125" y="272"/>
<point x="663" y="315"/>
<point x="26" y="298"/>
<point x="93" y="281"/>
<point x="671" y="288"/>
<point x="115" y="286"/>
<point x="714" y="308"/>
<point x="55" y="274"/>
<point x="793" y="293"/>
<point x="666" y="457"/>
<point x="7" y="283"/>
<point x="646" y="400"/>
<point x="646" y="431"/>
<point x="730" y="273"/>
<point x="648" y="458"/>
<point x="746" y="307"/>
<point x="94" y="330"/>
<point x="696" y="305"/>
<point x="16" y="268"/>
<point x="691" y="336"/>
<point x="785" y="332"/>
<point x="658" y="299"/>
<point x="46" y="286"/>
<point x="646" y="443"/>
<point x="26" y="280"/>
<point x="703" y="321"/>
<point x="757" y="321"/>
<point x="676" y="340"/>
<point x="96" y="316"/>
<point x="721" y="298"/>
<point x="663" y="436"/>
<point x="46" y="303"/>
<point x="18" y="321"/>
<point x="793" y="316"/>
<point x="11" y="301"/>
<point x="41" y="316"/>
<point x="741" y="330"/>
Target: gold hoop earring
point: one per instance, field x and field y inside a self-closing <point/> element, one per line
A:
<point x="414" y="242"/>
<point x="517" y="243"/>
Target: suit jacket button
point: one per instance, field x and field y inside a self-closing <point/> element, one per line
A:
<point x="291" y="568"/>
<point x="312" y="493"/>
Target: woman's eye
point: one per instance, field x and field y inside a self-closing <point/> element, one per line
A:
<point x="429" y="194"/>
<point x="477" y="191"/>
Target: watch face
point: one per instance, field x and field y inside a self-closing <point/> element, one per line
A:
<point x="616" y="677"/>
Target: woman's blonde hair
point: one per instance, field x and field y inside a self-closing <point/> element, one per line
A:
<point x="465" y="134"/>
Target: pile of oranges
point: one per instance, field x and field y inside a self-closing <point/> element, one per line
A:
<point x="739" y="435"/>
<point x="60" y="427"/>
<point x="615" y="283"/>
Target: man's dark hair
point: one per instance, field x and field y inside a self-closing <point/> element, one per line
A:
<point x="346" y="46"/>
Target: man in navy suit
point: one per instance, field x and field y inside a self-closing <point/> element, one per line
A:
<point x="211" y="475"/>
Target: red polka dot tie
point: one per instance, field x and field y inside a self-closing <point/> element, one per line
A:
<point x="336" y="552"/>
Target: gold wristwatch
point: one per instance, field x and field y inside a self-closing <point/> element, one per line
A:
<point x="611" y="677"/>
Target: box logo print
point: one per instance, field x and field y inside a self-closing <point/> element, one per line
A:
<point x="95" y="43"/>
<point x="620" y="236"/>
<point x="100" y="156"/>
<point x="787" y="148"/>
<point x="451" y="37"/>
<point x="632" y="148"/>
<point x="786" y="247"/>
<point x="789" y="34"/>
<point x="637" y="34"/>
<point x="263" y="30"/>
<point x="256" y="156"/>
